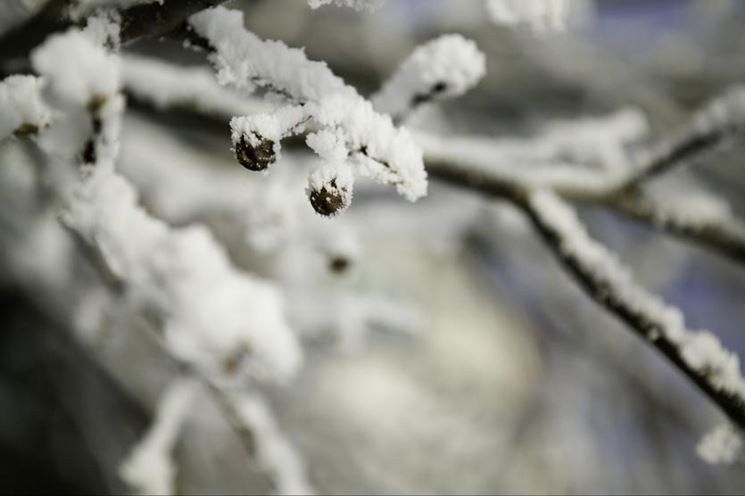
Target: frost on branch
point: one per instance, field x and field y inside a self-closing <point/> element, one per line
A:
<point x="81" y="8"/>
<point x="275" y="452"/>
<point x="540" y="16"/>
<point x="446" y="67"/>
<point x="342" y="126"/>
<point x="721" y="446"/>
<point x="716" y="369"/>
<point x="355" y="4"/>
<point x="22" y="108"/>
<point x="150" y="468"/>
<point x="165" y="86"/>
<point x="226" y="323"/>
<point x="91" y="72"/>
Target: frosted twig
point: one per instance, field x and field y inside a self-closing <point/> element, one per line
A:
<point x="22" y="108"/>
<point x="698" y="354"/>
<point x="444" y="68"/>
<point x="138" y="21"/>
<point x="274" y="451"/>
<point x="721" y="234"/>
<point x="344" y="129"/>
<point x="481" y="160"/>
<point x="149" y="468"/>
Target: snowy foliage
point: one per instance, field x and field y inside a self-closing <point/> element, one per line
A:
<point x="275" y="452"/>
<point x="95" y="73"/>
<point x="150" y="468"/>
<point x="343" y="126"/>
<point x="165" y="86"/>
<point x="723" y="445"/>
<point x="446" y="67"/>
<point x="540" y="16"/>
<point x="355" y="4"/>
<point x="23" y="109"/>
<point x="700" y="350"/>
<point x="81" y="8"/>
<point x="228" y="273"/>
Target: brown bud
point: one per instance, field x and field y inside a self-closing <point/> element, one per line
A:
<point x="338" y="264"/>
<point x="329" y="200"/>
<point x="255" y="158"/>
<point x="26" y="129"/>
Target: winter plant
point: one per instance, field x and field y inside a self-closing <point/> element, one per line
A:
<point x="306" y="140"/>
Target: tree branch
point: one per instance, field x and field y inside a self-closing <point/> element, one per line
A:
<point x="725" y="236"/>
<point x="139" y="21"/>
<point x="610" y="285"/>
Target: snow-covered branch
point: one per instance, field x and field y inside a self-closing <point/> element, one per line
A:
<point x="136" y="18"/>
<point x="150" y="468"/>
<point x="446" y="67"/>
<point x="704" y="223"/>
<point x="488" y="161"/>
<point x="698" y="354"/>
<point x="343" y="128"/>
<point x="23" y="108"/>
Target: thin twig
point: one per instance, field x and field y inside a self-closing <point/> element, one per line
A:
<point x="139" y="21"/>
<point x="621" y="302"/>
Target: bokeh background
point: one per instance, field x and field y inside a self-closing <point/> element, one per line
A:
<point x="513" y="381"/>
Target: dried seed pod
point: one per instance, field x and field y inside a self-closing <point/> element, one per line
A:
<point x="255" y="158"/>
<point x="330" y="190"/>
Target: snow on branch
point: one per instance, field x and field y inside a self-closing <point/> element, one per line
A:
<point x="723" y="118"/>
<point x="706" y="220"/>
<point x="698" y="354"/>
<point x="165" y="86"/>
<point x="150" y="468"/>
<point x="136" y="19"/>
<point x="446" y="67"/>
<point x="486" y="161"/>
<point x="224" y="322"/>
<point x="721" y="446"/>
<point x="368" y="5"/>
<point x="540" y="16"/>
<point x="342" y="127"/>
<point x="22" y="108"/>
<point x="274" y="451"/>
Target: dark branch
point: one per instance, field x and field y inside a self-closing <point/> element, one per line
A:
<point x="140" y="21"/>
<point x="153" y="19"/>
<point x="647" y="325"/>
<point x="723" y="236"/>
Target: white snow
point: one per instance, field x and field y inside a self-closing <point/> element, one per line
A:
<point x="275" y="451"/>
<point x="167" y="85"/>
<point x="540" y="16"/>
<point x="211" y="313"/>
<point x="721" y="446"/>
<point x="22" y="105"/>
<point x="700" y="350"/>
<point x="446" y="67"/>
<point x="368" y="5"/>
<point x="81" y="8"/>
<point x="90" y="71"/>
<point x="327" y="104"/>
<point x="150" y="468"/>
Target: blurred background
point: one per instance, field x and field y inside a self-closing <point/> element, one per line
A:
<point x="479" y="367"/>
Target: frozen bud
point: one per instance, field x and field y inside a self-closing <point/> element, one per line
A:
<point x="256" y="157"/>
<point x="330" y="189"/>
<point x="257" y="138"/>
